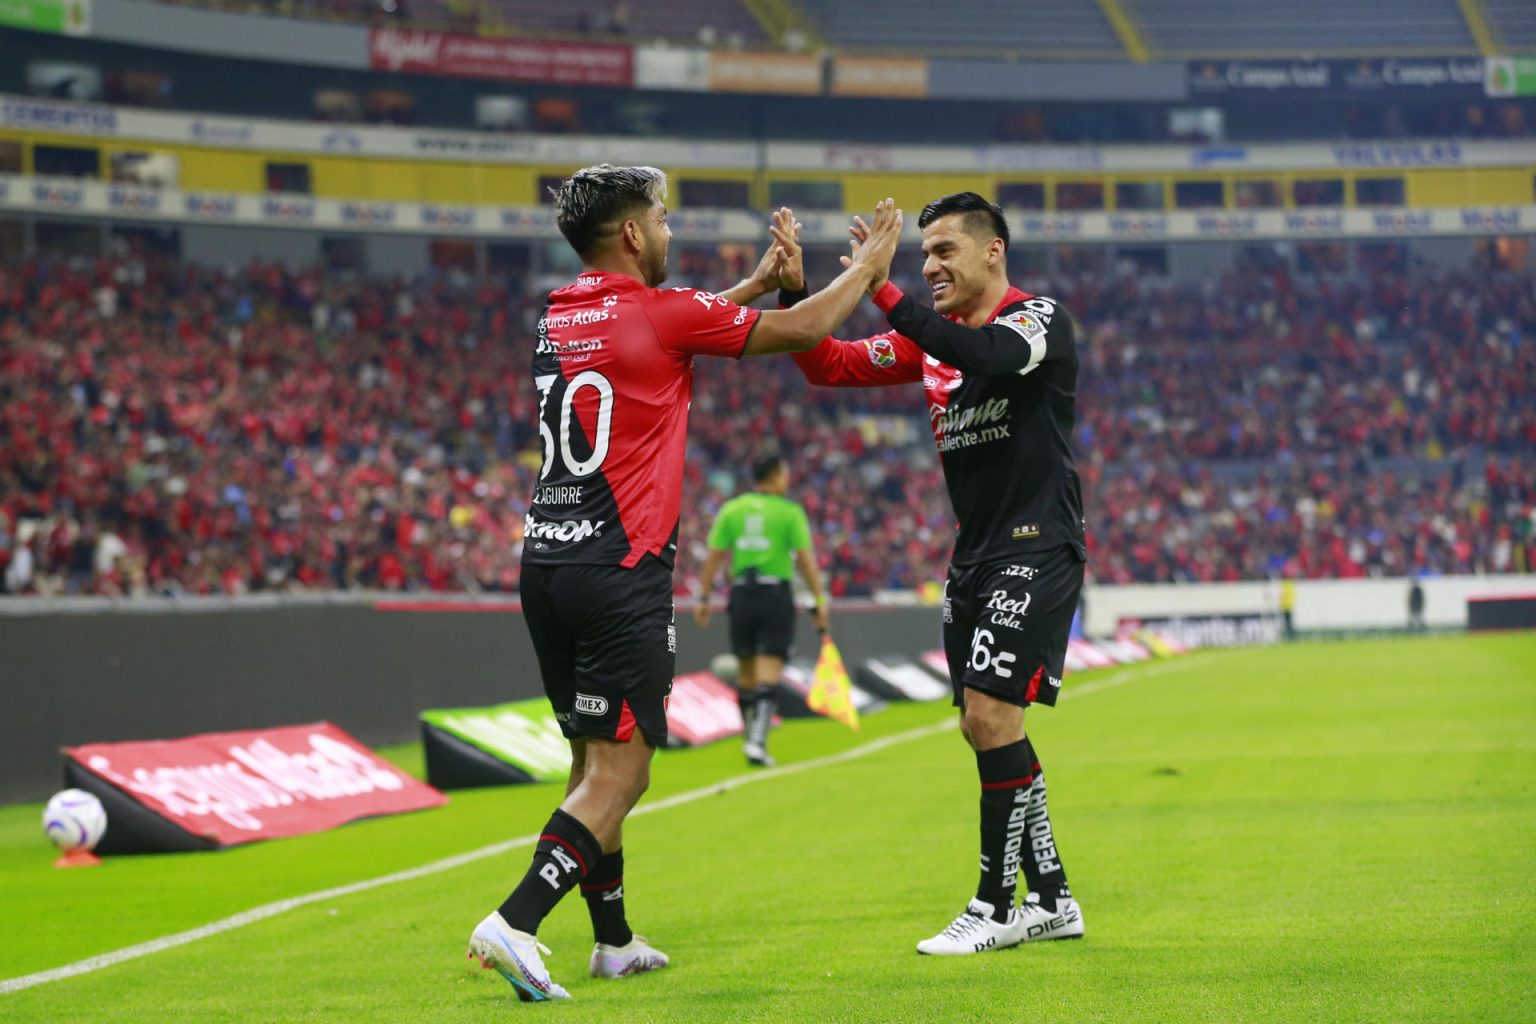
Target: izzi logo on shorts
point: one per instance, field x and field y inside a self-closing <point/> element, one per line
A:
<point x="586" y="704"/>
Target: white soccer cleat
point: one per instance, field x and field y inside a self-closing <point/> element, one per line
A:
<point x="974" y="932"/>
<point x="515" y="956"/>
<point x="758" y="756"/>
<point x="635" y="957"/>
<point x="1036" y="923"/>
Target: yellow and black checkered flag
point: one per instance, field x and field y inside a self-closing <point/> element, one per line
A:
<point x="831" y="690"/>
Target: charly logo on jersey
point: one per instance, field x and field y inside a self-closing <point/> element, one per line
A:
<point x="1041" y="306"/>
<point x="571" y="531"/>
<point x="967" y="425"/>
<point x="586" y="704"/>
<point x="881" y="352"/>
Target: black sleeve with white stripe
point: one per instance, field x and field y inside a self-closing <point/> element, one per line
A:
<point x="1022" y="337"/>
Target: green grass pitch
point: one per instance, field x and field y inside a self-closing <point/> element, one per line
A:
<point x="1319" y="832"/>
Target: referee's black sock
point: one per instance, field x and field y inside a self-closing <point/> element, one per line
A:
<point x="1042" y="863"/>
<point x="603" y="889"/>
<point x="566" y="851"/>
<point x="764" y="704"/>
<point x="1005" y="788"/>
<point x="757" y="708"/>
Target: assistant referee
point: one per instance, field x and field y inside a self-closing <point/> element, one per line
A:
<point x="760" y="531"/>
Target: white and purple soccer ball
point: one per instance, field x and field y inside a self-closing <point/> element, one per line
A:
<point x="74" y="820"/>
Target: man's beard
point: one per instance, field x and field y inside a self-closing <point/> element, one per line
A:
<point x="655" y="265"/>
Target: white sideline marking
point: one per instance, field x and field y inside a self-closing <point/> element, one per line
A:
<point x="437" y="867"/>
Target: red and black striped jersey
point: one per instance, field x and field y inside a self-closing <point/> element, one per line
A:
<point x="1001" y="404"/>
<point x="614" y="370"/>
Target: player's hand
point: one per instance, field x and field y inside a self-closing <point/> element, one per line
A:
<point x="701" y="612"/>
<point x="786" y="235"/>
<point x="766" y="277"/>
<point x="823" y="619"/>
<point x="874" y="244"/>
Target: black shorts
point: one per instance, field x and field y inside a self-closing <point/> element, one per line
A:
<point x="607" y="646"/>
<point x="1006" y="625"/>
<point x="762" y="619"/>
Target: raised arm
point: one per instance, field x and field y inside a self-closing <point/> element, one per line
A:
<point x="807" y="323"/>
<point x="1024" y="335"/>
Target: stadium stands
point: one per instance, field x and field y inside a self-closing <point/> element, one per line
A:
<point x="678" y="20"/>
<point x="1512" y="24"/>
<point x="188" y="429"/>
<point x="1048" y="30"/>
<point x="1301" y="29"/>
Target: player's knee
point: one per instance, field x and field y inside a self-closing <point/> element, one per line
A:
<point x="984" y="728"/>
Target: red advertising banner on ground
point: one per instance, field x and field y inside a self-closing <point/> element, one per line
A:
<point x="702" y="709"/>
<point x="518" y="60"/>
<point x="238" y="787"/>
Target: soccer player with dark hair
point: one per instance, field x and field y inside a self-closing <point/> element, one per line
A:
<point x="613" y="366"/>
<point x="765" y="535"/>
<point x="999" y="370"/>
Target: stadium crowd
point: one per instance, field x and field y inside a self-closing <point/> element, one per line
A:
<point x="171" y="428"/>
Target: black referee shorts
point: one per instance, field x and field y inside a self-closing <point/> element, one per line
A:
<point x="1006" y="625"/>
<point x="762" y="618"/>
<point x="606" y="644"/>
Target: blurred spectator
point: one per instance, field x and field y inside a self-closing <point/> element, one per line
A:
<point x="177" y="429"/>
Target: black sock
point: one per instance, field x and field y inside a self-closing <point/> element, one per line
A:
<point x="603" y="889"/>
<point x="747" y="701"/>
<point x="1005" y="788"/>
<point x="757" y="708"/>
<point x="565" y="852"/>
<point x="764" y="704"/>
<point x="1042" y="863"/>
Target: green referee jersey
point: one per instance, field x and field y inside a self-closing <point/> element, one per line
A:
<point x="761" y="531"/>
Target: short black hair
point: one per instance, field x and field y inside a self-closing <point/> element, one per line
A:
<point x="764" y="468"/>
<point x="591" y="203"/>
<point x="979" y="214"/>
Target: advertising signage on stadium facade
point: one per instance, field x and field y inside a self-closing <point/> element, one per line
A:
<point x="238" y="787"/>
<point x="519" y="60"/>
<point x="1511" y="76"/>
<point x="297" y="211"/>
<point x="70" y="17"/>
<point x="1292" y="78"/>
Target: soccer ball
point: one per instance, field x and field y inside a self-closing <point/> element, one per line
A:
<point x="74" y="820"/>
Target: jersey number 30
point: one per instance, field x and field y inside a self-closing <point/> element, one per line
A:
<point x="585" y="379"/>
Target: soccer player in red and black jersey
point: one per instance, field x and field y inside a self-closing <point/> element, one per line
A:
<point x="613" y="366"/>
<point x="999" y="371"/>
